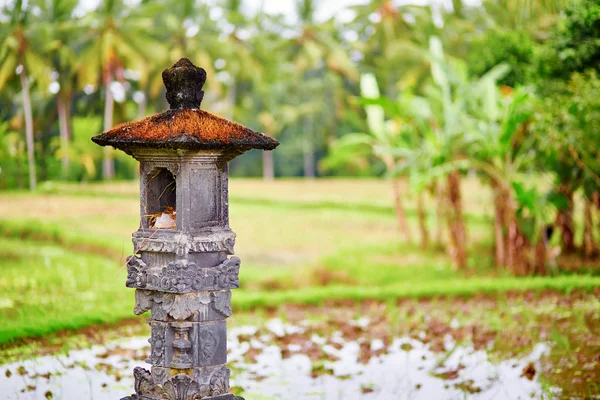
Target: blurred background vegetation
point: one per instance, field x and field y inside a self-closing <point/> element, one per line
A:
<point x="505" y="91"/>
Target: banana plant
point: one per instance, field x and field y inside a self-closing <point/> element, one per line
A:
<point x="387" y="139"/>
<point x="502" y="154"/>
<point x="441" y="116"/>
<point x="502" y="151"/>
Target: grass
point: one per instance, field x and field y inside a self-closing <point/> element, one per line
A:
<point x="305" y="242"/>
<point x="46" y="288"/>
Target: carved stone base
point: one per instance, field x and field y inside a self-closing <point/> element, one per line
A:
<point x="182" y="386"/>
<point x="223" y="397"/>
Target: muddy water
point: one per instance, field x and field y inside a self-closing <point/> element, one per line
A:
<point x="403" y="369"/>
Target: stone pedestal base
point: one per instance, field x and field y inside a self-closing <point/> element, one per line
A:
<point x="223" y="397"/>
<point x="190" y="384"/>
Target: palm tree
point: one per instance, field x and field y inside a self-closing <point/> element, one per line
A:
<point x="490" y="129"/>
<point x="20" y="54"/>
<point x="59" y="29"/>
<point x="117" y="37"/>
<point x="502" y="155"/>
<point x="318" y="57"/>
<point x="244" y="70"/>
<point x="391" y="44"/>
<point x="188" y="31"/>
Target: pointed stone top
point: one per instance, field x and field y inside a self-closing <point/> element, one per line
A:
<point x="184" y="83"/>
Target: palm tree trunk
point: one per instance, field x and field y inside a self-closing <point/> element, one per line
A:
<point x="564" y="221"/>
<point x="589" y="244"/>
<point x="63" y="126"/>
<point x="268" y="166"/>
<point x="456" y="223"/>
<point x="400" y="215"/>
<point x="108" y="164"/>
<point x="440" y="213"/>
<point x="309" y="155"/>
<point x="422" y="222"/>
<point x="69" y="114"/>
<point x="28" y="130"/>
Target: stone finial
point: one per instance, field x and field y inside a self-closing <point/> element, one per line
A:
<point x="184" y="83"/>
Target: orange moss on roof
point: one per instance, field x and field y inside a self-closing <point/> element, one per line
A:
<point x="185" y="128"/>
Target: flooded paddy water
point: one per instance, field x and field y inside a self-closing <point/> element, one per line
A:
<point x="356" y="351"/>
<point x="405" y="368"/>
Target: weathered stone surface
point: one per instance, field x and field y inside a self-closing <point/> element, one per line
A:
<point x="136" y="272"/>
<point x="157" y="344"/>
<point x="211" y="338"/>
<point x="205" y="384"/>
<point x="182" y="244"/>
<point x="220" y="397"/>
<point x="182" y="276"/>
<point x="183" y="345"/>
<point x="184" y="82"/>
<point x="197" y="307"/>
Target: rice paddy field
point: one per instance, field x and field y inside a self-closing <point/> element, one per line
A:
<point x="323" y="259"/>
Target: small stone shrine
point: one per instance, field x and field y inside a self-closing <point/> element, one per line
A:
<point x="181" y="268"/>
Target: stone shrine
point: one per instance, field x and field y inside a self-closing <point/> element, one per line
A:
<point x="181" y="268"/>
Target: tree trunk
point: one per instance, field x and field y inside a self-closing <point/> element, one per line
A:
<point x="500" y="202"/>
<point x="596" y="201"/>
<point x="268" y="166"/>
<point x="541" y="255"/>
<point x="63" y="126"/>
<point x="564" y="221"/>
<point x="309" y="155"/>
<point x="69" y="116"/>
<point x="518" y="247"/>
<point x="511" y="237"/>
<point x="400" y="215"/>
<point x="456" y="223"/>
<point x="108" y="164"/>
<point x="589" y="244"/>
<point x="440" y="199"/>
<point x="28" y="130"/>
<point x="422" y="222"/>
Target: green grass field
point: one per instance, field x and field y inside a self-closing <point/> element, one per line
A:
<point x="62" y="251"/>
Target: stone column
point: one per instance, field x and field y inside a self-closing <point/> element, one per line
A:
<point x="184" y="276"/>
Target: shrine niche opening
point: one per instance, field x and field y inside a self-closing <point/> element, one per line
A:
<point x="161" y="200"/>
